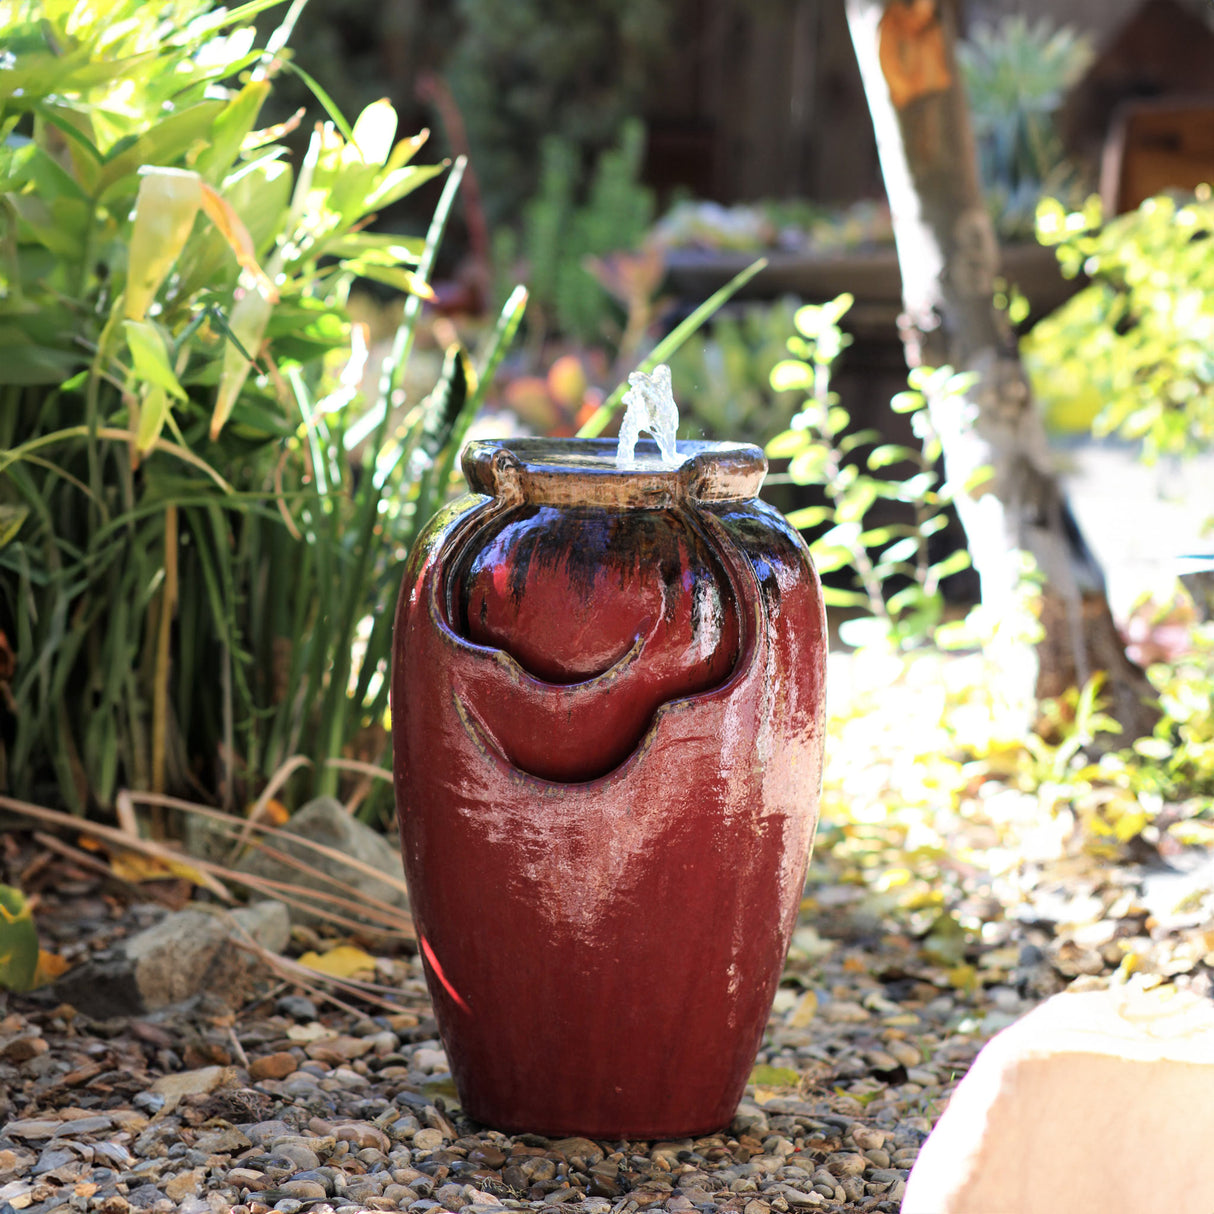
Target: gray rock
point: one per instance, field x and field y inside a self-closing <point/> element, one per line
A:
<point x="185" y="953"/>
<point x="325" y="821"/>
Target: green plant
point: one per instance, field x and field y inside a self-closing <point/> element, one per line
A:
<point x="724" y="380"/>
<point x="197" y="579"/>
<point x="1016" y="75"/>
<point x="1135" y="347"/>
<point x="896" y="581"/>
<point x="526" y="70"/>
<point x="563" y="230"/>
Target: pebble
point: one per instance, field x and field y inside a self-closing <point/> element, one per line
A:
<point x="273" y="1066"/>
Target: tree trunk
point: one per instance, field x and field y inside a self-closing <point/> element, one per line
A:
<point x="994" y="441"/>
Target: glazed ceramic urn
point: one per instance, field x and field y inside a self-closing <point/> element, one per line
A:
<point x="607" y="717"/>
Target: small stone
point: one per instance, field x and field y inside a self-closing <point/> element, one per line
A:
<point x="246" y="1178"/>
<point x="430" y="1060"/>
<point x="303" y="1190"/>
<point x="879" y="1060"/>
<point x="845" y="1164"/>
<point x="363" y="1135"/>
<point x="262" y="1133"/>
<point x="885" y="1175"/>
<point x="23" y="1049"/>
<point x="867" y="1138"/>
<point x="877" y="1157"/>
<point x="273" y="1066"/>
<point x="489" y="1156"/>
<point x="579" y="1153"/>
<point x="904" y="1052"/>
<point x="841" y="1011"/>
<point x="428" y="1140"/>
<point x="185" y="1184"/>
<point x="228" y="1141"/>
<point x="298" y="1007"/>
<point x="451" y="1196"/>
<point x="31" y="1129"/>
<point x="303" y="1157"/>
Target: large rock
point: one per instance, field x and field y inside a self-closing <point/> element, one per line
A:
<point x="187" y="952"/>
<point x="1094" y="1103"/>
<point x="327" y="822"/>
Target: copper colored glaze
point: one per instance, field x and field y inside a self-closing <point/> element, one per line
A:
<point x="607" y="706"/>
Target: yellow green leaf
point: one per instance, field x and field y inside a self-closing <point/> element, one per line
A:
<point x="374" y="131"/>
<point x="18" y="941"/>
<point x="153" y="412"/>
<point x="248" y="325"/>
<point x="165" y="207"/>
<point x="151" y="358"/>
<point x="775" y="1076"/>
<point x="344" y="961"/>
<point x="804" y="1012"/>
<point x="11" y="518"/>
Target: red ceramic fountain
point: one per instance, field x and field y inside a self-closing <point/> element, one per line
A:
<point x="607" y="706"/>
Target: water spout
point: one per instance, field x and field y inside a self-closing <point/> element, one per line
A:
<point x="649" y="405"/>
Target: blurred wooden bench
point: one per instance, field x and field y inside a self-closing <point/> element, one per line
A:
<point x="1154" y="146"/>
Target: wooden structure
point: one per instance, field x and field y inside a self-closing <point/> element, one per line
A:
<point x="1155" y="146"/>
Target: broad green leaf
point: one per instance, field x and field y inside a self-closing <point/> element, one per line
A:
<point x="955" y="562"/>
<point x="18" y="941"/>
<point x="374" y="131"/>
<point x="165" y="209"/>
<point x="809" y="516"/>
<point x="834" y="597"/>
<point x="378" y="248"/>
<point x="829" y="557"/>
<point x="809" y="466"/>
<point x="153" y="413"/>
<point x="393" y="276"/>
<point x="248" y="325"/>
<point x="788" y="444"/>
<point x="151" y="357"/>
<point x="891" y="453"/>
<point x="791" y="375"/>
<point x="906" y="402"/>
<point x="162" y="144"/>
<point x="396" y="184"/>
<point x="229" y="130"/>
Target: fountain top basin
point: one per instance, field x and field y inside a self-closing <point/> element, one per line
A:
<point x="584" y="472"/>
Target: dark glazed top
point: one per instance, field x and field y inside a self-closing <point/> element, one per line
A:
<point x="584" y="472"/>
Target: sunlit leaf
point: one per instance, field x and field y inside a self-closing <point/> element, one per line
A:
<point x="18" y="941"/>
<point x="344" y="961"/>
<point x="774" y="1076"/>
<point x="151" y="358"/>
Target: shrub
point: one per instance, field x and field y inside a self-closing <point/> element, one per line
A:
<point x="197" y="579"/>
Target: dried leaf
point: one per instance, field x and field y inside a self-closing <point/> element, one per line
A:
<point x="135" y="867"/>
<point x="50" y="966"/>
<point x="344" y="961"/>
<point x="804" y="1012"/>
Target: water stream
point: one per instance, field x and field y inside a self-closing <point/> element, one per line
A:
<point x="649" y="406"/>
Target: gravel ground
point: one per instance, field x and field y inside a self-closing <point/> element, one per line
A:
<point x="288" y="1104"/>
<point x="931" y="920"/>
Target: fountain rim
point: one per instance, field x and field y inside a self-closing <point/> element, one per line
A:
<point x="584" y="472"/>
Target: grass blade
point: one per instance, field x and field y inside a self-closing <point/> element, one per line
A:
<point x="597" y="422"/>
